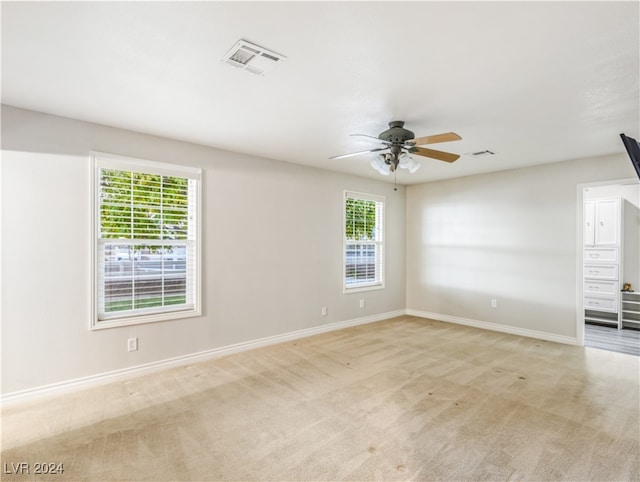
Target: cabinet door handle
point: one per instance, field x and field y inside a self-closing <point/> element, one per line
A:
<point x="594" y="287"/>
<point x="594" y="272"/>
<point x="594" y="255"/>
<point x="594" y="303"/>
<point x="601" y="223"/>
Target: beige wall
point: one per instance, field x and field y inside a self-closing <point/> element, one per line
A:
<point x="509" y="236"/>
<point x="272" y="251"/>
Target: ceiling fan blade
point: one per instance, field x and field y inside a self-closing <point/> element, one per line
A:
<point x="359" y="153"/>
<point x="371" y="137"/>
<point x="439" y="155"/>
<point x="449" y="136"/>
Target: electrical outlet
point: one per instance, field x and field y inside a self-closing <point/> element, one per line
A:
<point x="132" y="344"/>
<point x="494" y="303"/>
<point x="324" y="311"/>
<point x="361" y="303"/>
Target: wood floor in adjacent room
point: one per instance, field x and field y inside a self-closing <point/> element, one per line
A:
<point x="402" y="399"/>
<point x="610" y="338"/>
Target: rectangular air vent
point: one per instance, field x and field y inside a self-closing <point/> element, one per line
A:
<point x="252" y="58"/>
<point x="482" y="153"/>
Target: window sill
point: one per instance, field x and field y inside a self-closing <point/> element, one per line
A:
<point x="142" y="319"/>
<point x="356" y="289"/>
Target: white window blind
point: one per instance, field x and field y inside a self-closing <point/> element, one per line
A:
<point x="363" y="241"/>
<point x="147" y="266"/>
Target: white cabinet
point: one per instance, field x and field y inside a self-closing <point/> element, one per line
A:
<point x="593" y="287"/>
<point x="601" y="303"/>
<point x="607" y="222"/>
<point x="595" y="271"/>
<point x="589" y="223"/>
<point x="601" y="260"/>
<point x="606" y="255"/>
<point x="602" y="222"/>
<point x="611" y="257"/>
<point x="601" y="286"/>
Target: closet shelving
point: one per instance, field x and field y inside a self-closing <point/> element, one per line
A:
<point x="630" y="309"/>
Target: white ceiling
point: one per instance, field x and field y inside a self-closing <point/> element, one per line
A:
<point x="534" y="82"/>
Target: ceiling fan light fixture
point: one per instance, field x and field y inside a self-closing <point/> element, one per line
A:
<point x="408" y="162"/>
<point x="391" y="159"/>
<point x="413" y="166"/>
<point x="404" y="159"/>
<point x="380" y="165"/>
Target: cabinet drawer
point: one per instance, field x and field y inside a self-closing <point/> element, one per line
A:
<point x="601" y="271"/>
<point x="601" y="303"/>
<point x="609" y="255"/>
<point x="600" y="287"/>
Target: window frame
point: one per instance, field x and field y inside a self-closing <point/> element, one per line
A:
<point x="100" y="160"/>
<point x="380" y="244"/>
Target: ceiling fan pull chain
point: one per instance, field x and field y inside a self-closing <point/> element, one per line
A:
<point x="395" y="178"/>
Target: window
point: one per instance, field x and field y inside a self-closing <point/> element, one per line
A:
<point x="363" y="242"/>
<point x="146" y="249"/>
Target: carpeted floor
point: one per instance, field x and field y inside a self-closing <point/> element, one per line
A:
<point x="402" y="399"/>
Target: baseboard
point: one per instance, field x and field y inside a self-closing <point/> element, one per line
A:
<point x="126" y="373"/>
<point x="486" y="325"/>
<point x="59" y="388"/>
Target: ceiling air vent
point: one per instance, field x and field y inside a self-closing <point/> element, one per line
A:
<point x="252" y="58"/>
<point x="482" y="153"/>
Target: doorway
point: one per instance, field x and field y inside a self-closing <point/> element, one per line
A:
<point x="609" y="266"/>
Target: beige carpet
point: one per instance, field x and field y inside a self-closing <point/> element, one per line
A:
<point x="403" y="399"/>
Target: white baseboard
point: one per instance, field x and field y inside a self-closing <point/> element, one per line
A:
<point x="486" y="325"/>
<point x="125" y="373"/>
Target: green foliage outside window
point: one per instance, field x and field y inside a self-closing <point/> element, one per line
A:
<point x="360" y="219"/>
<point x="143" y="206"/>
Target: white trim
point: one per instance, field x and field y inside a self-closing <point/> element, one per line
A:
<point x="59" y="388"/>
<point x="363" y="196"/>
<point x="141" y="317"/>
<point x="135" y="164"/>
<point x="359" y="288"/>
<point x="55" y="389"/>
<point x="101" y="160"/>
<point x="486" y="325"/>
<point x="380" y="262"/>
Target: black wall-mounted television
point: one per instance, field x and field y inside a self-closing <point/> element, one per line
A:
<point x="633" y="149"/>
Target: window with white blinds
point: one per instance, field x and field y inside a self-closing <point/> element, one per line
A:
<point x="363" y="241"/>
<point x="146" y="241"/>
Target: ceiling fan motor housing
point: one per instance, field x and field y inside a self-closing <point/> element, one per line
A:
<point x="396" y="133"/>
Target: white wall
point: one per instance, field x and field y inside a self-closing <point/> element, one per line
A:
<point x="630" y="192"/>
<point x="509" y="236"/>
<point x="272" y="251"/>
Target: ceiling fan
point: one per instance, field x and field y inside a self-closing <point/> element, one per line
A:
<point x="400" y="144"/>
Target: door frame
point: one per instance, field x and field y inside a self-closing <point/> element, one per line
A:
<point x="580" y="198"/>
